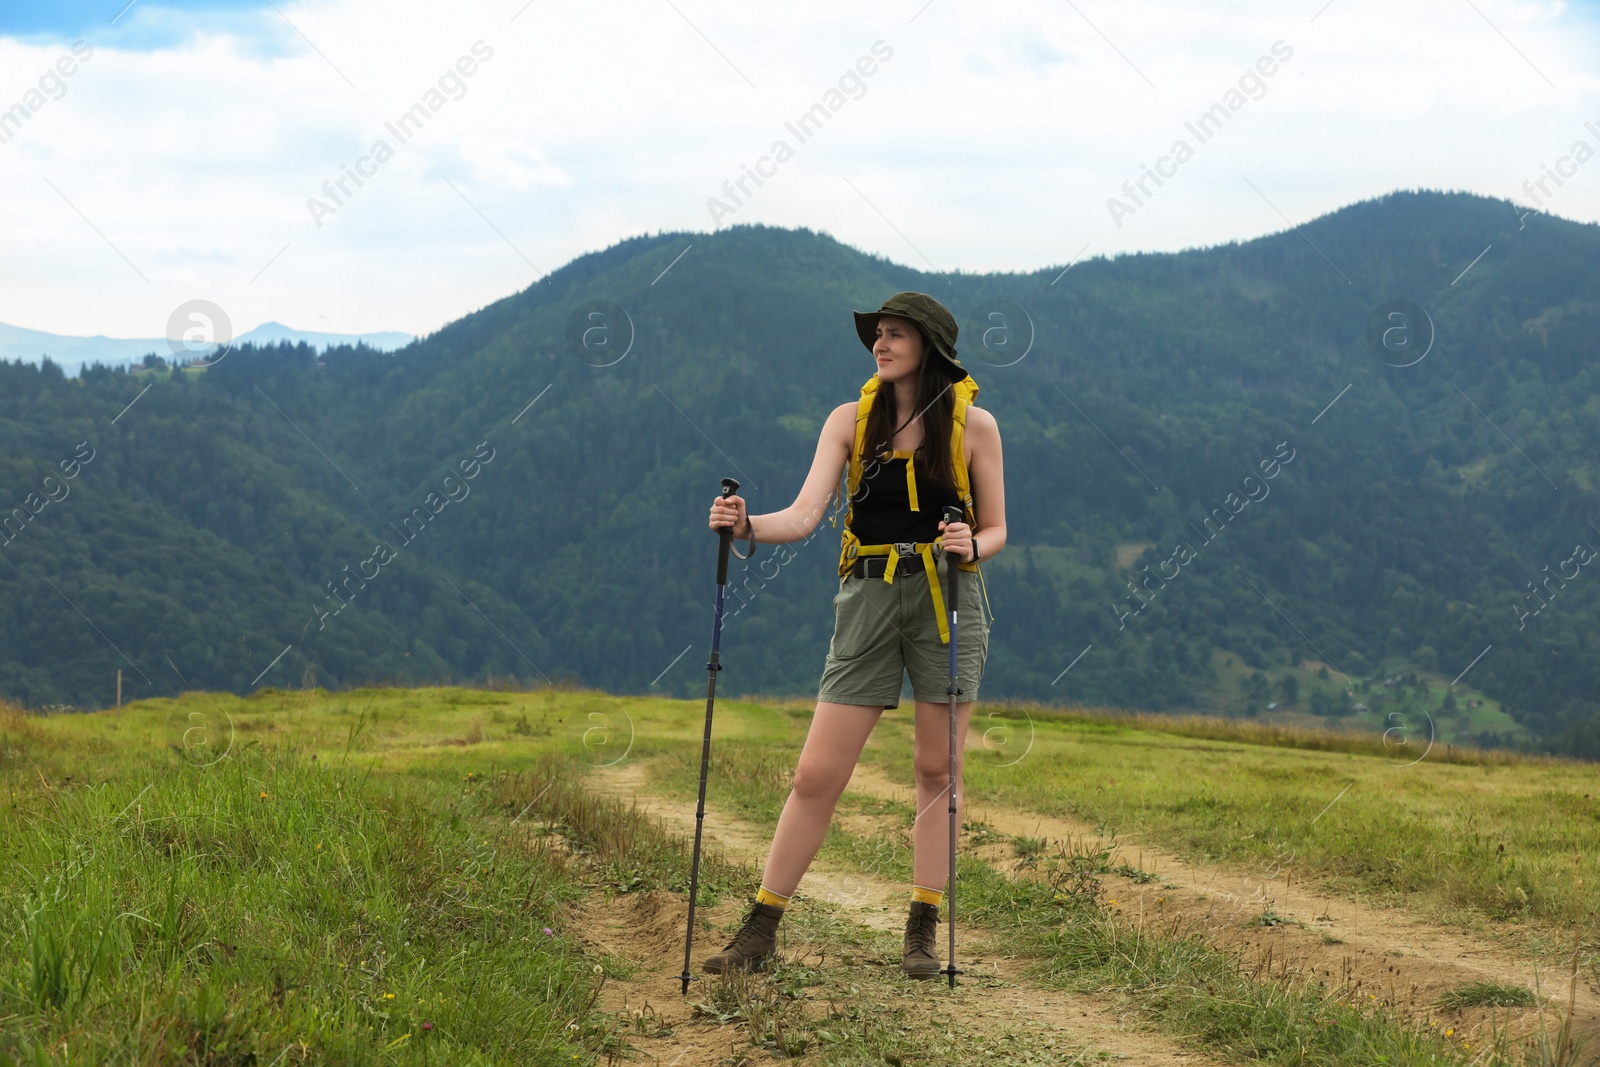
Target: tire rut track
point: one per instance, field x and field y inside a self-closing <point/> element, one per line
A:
<point x="992" y="997"/>
<point x="1398" y="957"/>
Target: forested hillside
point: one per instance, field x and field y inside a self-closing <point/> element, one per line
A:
<point x="1234" y="481"/>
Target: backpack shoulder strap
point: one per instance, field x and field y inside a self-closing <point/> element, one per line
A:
<point x="966" y="390"/>
<point x="869" y="393"/>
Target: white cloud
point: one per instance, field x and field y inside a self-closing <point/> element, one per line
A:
<point x="989" y="141"/>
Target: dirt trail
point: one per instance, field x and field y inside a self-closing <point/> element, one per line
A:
<point x="990" y="1000"/>
<point x="1398" y="958"/>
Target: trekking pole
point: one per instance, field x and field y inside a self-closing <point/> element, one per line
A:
<point x="952" y="514"/>
<point x="725" y="533"/>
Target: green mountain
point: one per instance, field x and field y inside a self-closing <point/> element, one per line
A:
<point x="1234" y="479"/>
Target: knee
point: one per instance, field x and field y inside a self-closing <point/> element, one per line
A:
<point x="934" y="774"/>
<point x="814" y="781"/>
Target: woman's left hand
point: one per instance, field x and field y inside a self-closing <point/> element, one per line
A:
<point x="957" y="539"/>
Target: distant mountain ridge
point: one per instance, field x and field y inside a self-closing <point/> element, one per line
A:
<point x="73" y="353"/>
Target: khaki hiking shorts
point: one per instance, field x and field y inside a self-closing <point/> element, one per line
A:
<point x="882" y="630"/>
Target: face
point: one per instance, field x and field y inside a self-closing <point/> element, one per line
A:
<point x="898" y="348"/>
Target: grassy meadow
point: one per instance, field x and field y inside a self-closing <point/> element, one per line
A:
<point x="1487" y="838"/>
<point x="385" y="876"/>
<point x="294" y="878"/>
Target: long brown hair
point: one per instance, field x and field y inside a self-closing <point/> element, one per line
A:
<point x="936" y="402"/>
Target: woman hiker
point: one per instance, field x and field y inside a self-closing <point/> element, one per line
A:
<point x="913" y="444"/>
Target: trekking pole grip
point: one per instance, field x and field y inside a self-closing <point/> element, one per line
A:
<point x="951" y="514"/>
<point x="729" y="487"/>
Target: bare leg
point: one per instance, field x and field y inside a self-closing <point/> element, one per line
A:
<point x="930" y="863"/>
<point x="833" y="745"/>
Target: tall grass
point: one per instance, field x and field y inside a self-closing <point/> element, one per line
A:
<point x="1199" y="993"/>
<point x="627" y="850"/>
<point x="270" y="909"/>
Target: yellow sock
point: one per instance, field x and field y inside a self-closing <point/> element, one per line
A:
<point x="767" y="896"/>
<point x="927" y="896"/>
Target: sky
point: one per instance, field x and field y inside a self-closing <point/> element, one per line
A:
<point x="153" y="154"/>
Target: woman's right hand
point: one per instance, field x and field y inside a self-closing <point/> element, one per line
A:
<point x="730" y="511"/>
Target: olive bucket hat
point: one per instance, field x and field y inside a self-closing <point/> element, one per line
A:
<point x="934" y="318"/>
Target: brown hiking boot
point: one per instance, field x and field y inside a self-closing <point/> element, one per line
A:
<point x="753" y="947"/>
<point x="922" y="927"/>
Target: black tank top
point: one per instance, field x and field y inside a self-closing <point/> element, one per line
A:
<point x="882" y="512"/>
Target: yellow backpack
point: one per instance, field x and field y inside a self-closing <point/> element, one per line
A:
<point x="851" y="546"/>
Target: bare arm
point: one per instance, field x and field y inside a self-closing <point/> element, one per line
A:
<point x="798" y="519"/>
